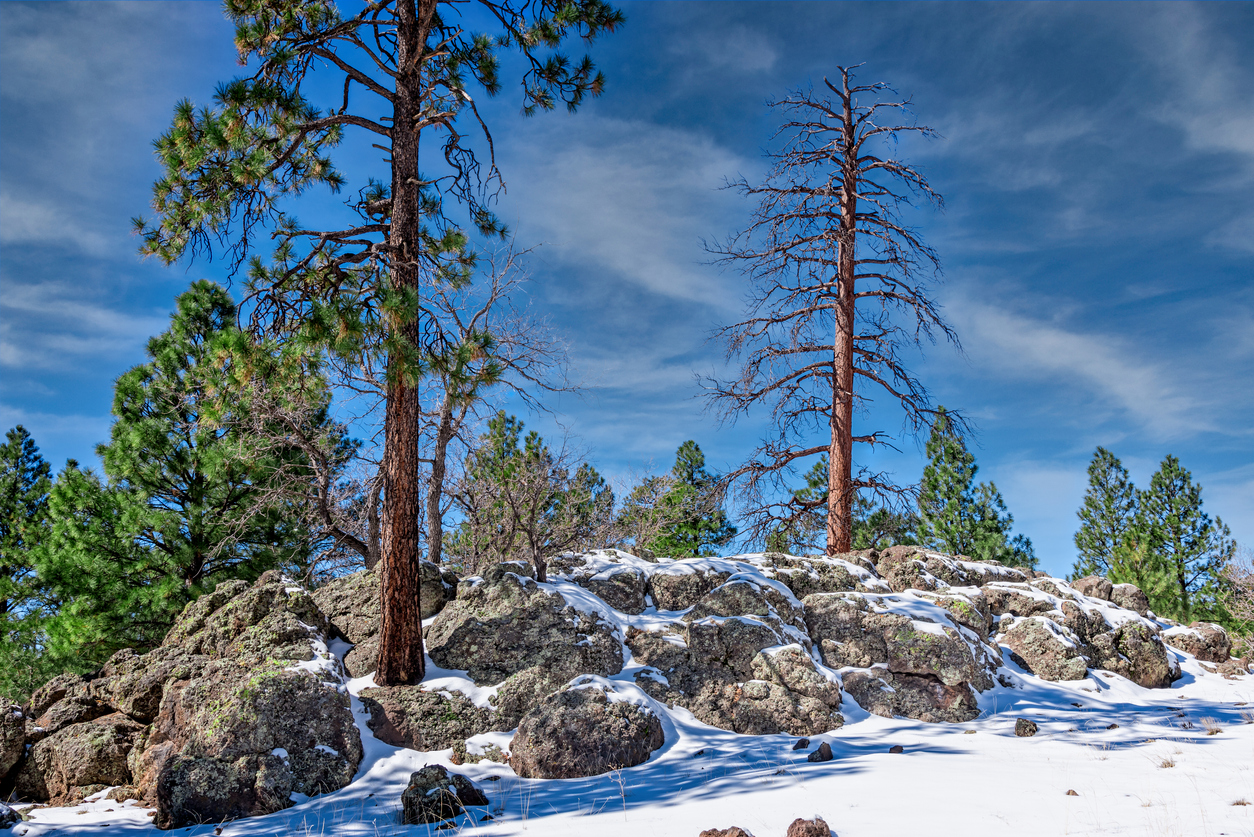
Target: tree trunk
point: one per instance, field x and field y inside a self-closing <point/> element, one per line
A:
<point x="840" y="457"/>
<point x="401" y="653"/>
<point x="439" y="463"/>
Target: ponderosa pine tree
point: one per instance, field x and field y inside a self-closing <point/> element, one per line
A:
<point x="956" y="515"/>
<point x="679" y="515"/>
<point x="177" y="513"/>
<point x="838" y="294"/>
<point x="355" y="289"/>
<point x="24" y="486"/>
<point x="1107" y="517"/>
<point x="1193" y="549"/>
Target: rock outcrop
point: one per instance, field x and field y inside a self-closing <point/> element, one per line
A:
<point x="1204" y="640"/>
<point x="584" y="731"/>
<point x="1044" y="648"/>
<point x="12" y="737"/>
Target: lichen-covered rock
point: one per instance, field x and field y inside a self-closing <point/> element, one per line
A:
<point x="1204" y="640"/>
<point x="435" y="795"/>
<point x="744" y="596"/>
<point x="860" y="630"/>
<point x="407" y="716"/>
<point x="967" y="606"/>
<point x="787" y="694"/>
<point x="523" y="691"/>
<point x="734" y="831"/>
<point x="1135" y="651"/>
<point x="58" y="688"/>
<point x="1096" y="586"/>
<point x="583" y="731"/>
<point x="69" y="710"/>
<point x="1130" y="597"/>
<point x="924" y="698"/>
<point x="496" y="628"/>
<point x="1045" y="648"/>
<point x="622" y="588"/>
<point x="915" y="568"/>
<point x="79" y="759"/>
<point x="1025" y="728"/>
<point x="12" y="737"/>
<point x="134" y="683"/>
<point x="816" y="827"/>
<point x="681" y="584"/>
<point x="822" y="574"/>
<point x="351" y="605"/>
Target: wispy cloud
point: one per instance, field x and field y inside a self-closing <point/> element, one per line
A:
<point x="27" y="221"/>
<point x="1107" y="368"/>
<point x="50" y="326"/>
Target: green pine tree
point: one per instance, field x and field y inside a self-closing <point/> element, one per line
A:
<point x="958" y="516"/>
<point x="683" y="512"/>
<point x="1193" y="549"/>
<point x="24" y="486"/>
<point x="1108" y="516"/>
<point x="180" y="509"/>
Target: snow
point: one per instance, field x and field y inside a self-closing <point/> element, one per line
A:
<point x="1157" y="772"/>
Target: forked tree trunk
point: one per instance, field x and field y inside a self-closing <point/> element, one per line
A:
<point x="401" y="654"/>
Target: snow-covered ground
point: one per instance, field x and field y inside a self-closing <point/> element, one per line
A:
<point x="1149" y="762"/>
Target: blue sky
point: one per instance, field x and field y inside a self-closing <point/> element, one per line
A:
<point x="1097" y="162"/>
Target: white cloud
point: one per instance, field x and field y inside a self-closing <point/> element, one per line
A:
<point x="1109" y="368"/>
<point x="51" y="326"/>
<point x="25" y="221"/>
<point x="627" y="201"/>
<point x="735" y="48"/>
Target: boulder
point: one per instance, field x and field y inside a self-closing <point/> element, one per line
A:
<point x="745" y="596"/>
<point x="12" y="737"/>
<point x="408" y="716"/>
<point x="434" y="795"/>
<point x="1204" y="640"/>
<point x="8" y="817"/>
<point x="583" y="731"/>
<point x="501" y="626"/>
<point x="78" y="760"/>
<point x="58" y="688"/>
<point x="622" y="588"/>
<point x="351" y="605"/>
<point x="734" y="831"/>
<point x="69" y="710"/>
<point x="681" y="584"/>
<point x="1135" y="651"/>
<point x="823" y="574"/>
<point x="816" y="827"/>
<point x="821" y="754"/>
<point x="135" y="683"/>
<point x="922" y="697"/>
<point x="1045" y="648"/>
<point x="261" y="715"/>
<point x="861" y="630"/>
<point x="913" y="567"/>
<point x="1130" y="597"/>
<point x="967" y="606"/>
<point x="1096" y="586"/>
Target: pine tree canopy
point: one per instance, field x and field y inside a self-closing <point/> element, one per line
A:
<point x="956" y="515"/>
<point x="24" y="487"/>
<point x="687" y="519"/>
<point x="1193" y="548"/>
<point x="1107" y="517"/>
<point x="184" y="505"/>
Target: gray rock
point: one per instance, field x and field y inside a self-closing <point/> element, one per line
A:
<point x="407" y="716"/>
<point x="622" y="588"/>
<point x="581" y="732"/>
<point x="58" y="688"/>
<point x="1135" y="651"/>
<point x="1046" y="649"/>
<point x="498" y="628"/>
<point x="8" y="817"/>
<point x="823" y="753"/>
<point x="746" y="597"/>
<point x="79" y="759"/>
<point x="922" y="697"/>
<point x="12" y="737"/>
<point x="680" y="585"/>
<point x="734" y="831"/>
<point x="1204" y="640"/>
<point x="801" y="744"/>
<point x="823" y="574"/>
<point x="134" y="683"/>
<point x="69" y="710"/>
<point x="1095" y="586"/>
<point x="1130" y="597"/>
<point x="434" y="795"/>
<point x="1025" y="728"/>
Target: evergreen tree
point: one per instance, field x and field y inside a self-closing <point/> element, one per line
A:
<point x="1193" y="549"/>
<point x="179" y="511"/>
<point x="520" y="498"/>
<point x="24" y="486"/>
<point x="355" y="284"/>
<point x="681" y="515"/>
<point x="956" y="515"/>
<point x="1108" y="516"/>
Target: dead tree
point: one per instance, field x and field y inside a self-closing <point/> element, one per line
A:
<point x="479" y="340"/>
<point x="838" y="291"/>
